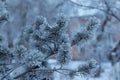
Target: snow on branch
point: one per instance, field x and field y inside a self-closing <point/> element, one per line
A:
<point x="44" y="41"/>
<point x="84" y="36"/>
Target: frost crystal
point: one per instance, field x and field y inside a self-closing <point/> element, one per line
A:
<point x="93" y="24"/>
<point x="63" y="55"/>
<point x="88" y="68"/>
<point x="80" y="38"/>
<point x="27" y="31"/>
<point x="20" y="51"/>
<point x="87" y="34"/>
<point x="33" y="58"/>
<point x="39" y="21"/>
<point x="61" y="20"/>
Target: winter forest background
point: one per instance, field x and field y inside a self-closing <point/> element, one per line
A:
<point x="61" y="26"/>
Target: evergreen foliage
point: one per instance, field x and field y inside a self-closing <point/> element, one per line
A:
<point x="43" y="42"/>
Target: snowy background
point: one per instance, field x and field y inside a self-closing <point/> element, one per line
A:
<point x="101" y="48"/>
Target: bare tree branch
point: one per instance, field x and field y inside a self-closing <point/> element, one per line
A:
<point x="92" y="7"/>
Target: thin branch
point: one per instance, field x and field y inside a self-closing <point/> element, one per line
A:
<point x="10" y="72"/>
<point x="61" y="73"/>
<point x="116" y="48"/>
<point x="106" y="18"/>
<point x="114" y="58"/>
<point x="86" y="6"/>
<point x="92" y="7"/>
<point x="58" y="6"/>
<point x="104" y="23"/>
<point x="116" y="8"/>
